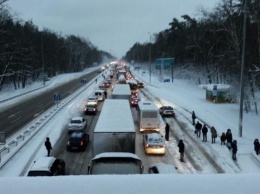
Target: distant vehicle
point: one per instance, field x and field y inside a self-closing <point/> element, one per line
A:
<point x="140" y="85"/>
<point x="109" y="80"/>
<point x="115" y="163"/>
<point x="47" y="166"/>
<point x="77" y="141"/>
<point x="121" y="79"/>
<point x="102" y="87"/>
<point x="106" y="84"/>
<point x="91" y="108"/>
<point x="161" y="168"/>
<point x="134" y="101"/>
<point x="167" y="111"/>
<point x="121" y="91"/>
<point x="133" y="86"/>
<point x="115" y="128"/>
<point x="92" y="99"/>
<point x="77" y="124"/>
<point x="153" y="143"/>
<point x="99" y="94"/>
<point x="148" y="115"/>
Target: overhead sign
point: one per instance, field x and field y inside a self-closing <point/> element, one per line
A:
<point x="164" y="63"/>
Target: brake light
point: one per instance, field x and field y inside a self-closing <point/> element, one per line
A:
<point x="81" y="143"/>
<point x="68" y="143"/>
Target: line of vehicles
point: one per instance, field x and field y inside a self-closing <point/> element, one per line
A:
<point x="114" y="136"/>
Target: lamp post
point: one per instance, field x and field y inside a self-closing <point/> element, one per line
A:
<point x="242" y="75"/>
<point x="43" y="74"/>
<point x="150" y="50"/>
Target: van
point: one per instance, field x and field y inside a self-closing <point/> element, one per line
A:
<point x="100" y="95"/>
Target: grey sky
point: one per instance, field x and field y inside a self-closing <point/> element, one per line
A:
<point x="111" y="25"/>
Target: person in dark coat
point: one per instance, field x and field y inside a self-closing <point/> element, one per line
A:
<point x="223" y="138"/>
<point x="193" y="116"/>
<point x="214" y="134"/>
<point x="229" y="138"/>
<point x="234" y="149"/>
<point x="204" y="133"/>
<point x="198" y="127"/>
<point x="105" y="94"/>
<point x="167" y="130"/>
<point x="256" y="146"/>
<point x="181" y="150"/>
<point x="48" y="146"/>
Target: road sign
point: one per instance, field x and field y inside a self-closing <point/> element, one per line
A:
<point x="164" y="63"/>
<point x="83" y="81"/>
<point x="166" y="80"/>
<point x="56" y="97"/>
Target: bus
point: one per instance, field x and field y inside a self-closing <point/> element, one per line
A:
<point x="148" y="115"/>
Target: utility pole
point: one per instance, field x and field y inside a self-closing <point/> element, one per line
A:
<point x="242" y="74"/>
<point x="150" y="53"/>
<point x="43" y="74"/>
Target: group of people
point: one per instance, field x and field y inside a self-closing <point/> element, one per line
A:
<point x="225" y="137"/>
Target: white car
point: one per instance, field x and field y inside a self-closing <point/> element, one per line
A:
<point x="154" y="144"/>
<point x="92" y="99"/>
<point x="100" y="95"/>
<point x="161" y="168"/>
<point x="77" y="124"/>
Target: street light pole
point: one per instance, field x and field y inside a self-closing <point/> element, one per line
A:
<point x="43" y="74"/>
<point x="242" y="75"/>
<point x="150" y="51"/>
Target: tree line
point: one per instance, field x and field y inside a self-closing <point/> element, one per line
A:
<point x="28" y="54"/>
<point x="211" y="44"/>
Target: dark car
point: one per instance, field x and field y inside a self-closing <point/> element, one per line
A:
<point x="91" y="108"/>
<point x="77" y="141"/>
<point x="167" y="111"/>
<point x="106" y="84"/>
<point x="140" y="85"/>
<point x="134" y="101"/>
<point x="47" y="166"/>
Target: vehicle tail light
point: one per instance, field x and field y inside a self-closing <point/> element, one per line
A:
<point x="81" y="143"/>
<point x="147" y="145"/>
<point x="68" y="143"/>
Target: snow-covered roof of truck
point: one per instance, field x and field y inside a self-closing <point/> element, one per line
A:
<point x="115" y="116"/>
<point x="121" y="89"/>
<point x="116" y="155"/>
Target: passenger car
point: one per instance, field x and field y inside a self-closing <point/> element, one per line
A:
<point x="77" y="141"/>
<point x="161" y="168"/>
<point x="140" y="85"/>
<point x="153" y="143"/>
<point x="47" y="166"/>
<point x="77" y="124"/>
<point x="100" y="95"/>
<point x="134" y="101"/>
<point x="91" y="108"/>
<point x="167" y="111"/>
<point x="92" y="99"/>
<point x="106" y="84"/>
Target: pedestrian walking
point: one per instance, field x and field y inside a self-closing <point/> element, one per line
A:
<point x="48" y="146"/>
<point x="181" y="150"/>
<point x="198" y="127"/>
<point x="256" y="146"/>
<point x="234" y="149"/>
<point x="105" y="94"/>
<point x="223" y="138"/>
<point x="96" y="80"/>
<point x="229" y="138"/>
<point x="167" y="130"/>
<point x="204" y="133"/>
<point x="193" y="116"/>
<point x="214" y="134"/>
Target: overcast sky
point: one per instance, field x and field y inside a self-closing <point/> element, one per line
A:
<point x="111" y="25"/>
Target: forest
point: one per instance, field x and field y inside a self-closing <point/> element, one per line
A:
<point x="28" y="54"/>
<point x="212" y="45"/>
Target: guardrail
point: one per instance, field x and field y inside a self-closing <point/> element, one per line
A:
<point x="8" y="151"/>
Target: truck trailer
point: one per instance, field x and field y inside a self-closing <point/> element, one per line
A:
<point x="115" y="129"/>
<point x="121" y="91"/>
